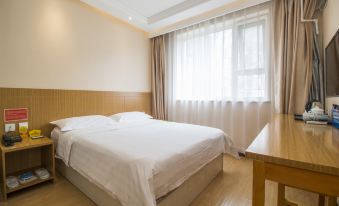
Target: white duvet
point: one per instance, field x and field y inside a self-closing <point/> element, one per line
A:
<point x="141" y="161"/>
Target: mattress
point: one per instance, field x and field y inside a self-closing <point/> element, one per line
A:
<point x="141" y="161"/>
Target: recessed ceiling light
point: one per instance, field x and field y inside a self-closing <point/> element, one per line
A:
<point x="130" y="18"/>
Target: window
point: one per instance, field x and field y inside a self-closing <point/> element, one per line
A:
<point x="250" y="71"/>
<point x="223" y="60"/>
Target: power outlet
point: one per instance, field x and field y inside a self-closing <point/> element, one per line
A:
<point x="9" y="127"/>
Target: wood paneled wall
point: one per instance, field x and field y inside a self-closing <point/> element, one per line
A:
<point x="46" y="105"/>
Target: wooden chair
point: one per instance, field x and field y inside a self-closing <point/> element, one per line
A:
<point x="282" y="201"/>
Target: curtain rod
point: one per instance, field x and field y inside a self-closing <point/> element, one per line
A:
<point x="258" y="2"/>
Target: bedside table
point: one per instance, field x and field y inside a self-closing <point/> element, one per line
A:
<point x="25" y="156"/>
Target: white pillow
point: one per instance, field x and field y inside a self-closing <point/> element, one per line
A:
<point x="72" y="123"/>
<point x="130" y="116"/>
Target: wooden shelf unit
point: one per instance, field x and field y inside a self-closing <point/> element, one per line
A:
<point x="25" y="156"/>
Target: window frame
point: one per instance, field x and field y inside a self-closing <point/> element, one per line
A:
<point x="237" y="44"/>
<point x="241" y="24"/>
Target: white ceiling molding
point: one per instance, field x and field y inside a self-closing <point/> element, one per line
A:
<point x="174" y="10"/>
<point x="226" y="9"/>
<point x="160" y="17"/>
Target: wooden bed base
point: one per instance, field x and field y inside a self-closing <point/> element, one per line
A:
<point x="182" y="196"/>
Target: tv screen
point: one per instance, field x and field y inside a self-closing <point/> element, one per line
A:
<point x="332" y="66"/>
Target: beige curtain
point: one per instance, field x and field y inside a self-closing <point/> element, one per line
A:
<point x="293" y="54"/>
<point x="158" y="77"/>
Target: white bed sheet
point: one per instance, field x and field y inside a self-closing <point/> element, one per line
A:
<point x="140" y="161"/>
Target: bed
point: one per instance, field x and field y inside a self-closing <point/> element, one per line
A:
<point x="146" y="162"/>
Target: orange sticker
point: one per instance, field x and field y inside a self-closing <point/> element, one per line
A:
<point x="17" y="114"/>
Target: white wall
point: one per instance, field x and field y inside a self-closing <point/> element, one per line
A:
<point x="330" y="20"/>
<point x="330" y="26"/>
<point x="66" y="44"/>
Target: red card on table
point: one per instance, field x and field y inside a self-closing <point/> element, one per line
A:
<point x="17" y="114"/>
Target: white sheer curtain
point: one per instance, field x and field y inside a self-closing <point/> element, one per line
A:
<point x="219" y="73"/>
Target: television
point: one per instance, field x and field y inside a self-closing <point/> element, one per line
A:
<point x="332" y="67"/>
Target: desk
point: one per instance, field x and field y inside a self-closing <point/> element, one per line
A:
<point x="295" y="154"/>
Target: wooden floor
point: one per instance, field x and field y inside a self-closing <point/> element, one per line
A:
<point x="232" y="188"/>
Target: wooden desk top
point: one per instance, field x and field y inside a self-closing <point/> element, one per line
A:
<point x="26" y="143"/>
<point x="293" y="143"/>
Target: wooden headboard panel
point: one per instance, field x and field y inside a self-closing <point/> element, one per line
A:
<point x="46" y="105"/>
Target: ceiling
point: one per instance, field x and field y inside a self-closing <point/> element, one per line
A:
<point x="157" y="16"/>
<point x="149" y="8"/>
